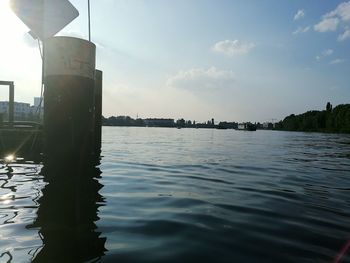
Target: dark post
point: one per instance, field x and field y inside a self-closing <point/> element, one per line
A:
<point x="98" y="110"/>
<point x="11" y="99"/>
<point x="89" y="18"/>
<point x="69" y="99"/>
<point x="11" y="103"/>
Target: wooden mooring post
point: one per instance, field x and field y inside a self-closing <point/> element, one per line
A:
<point x="69" y="77"/>
<point x="72" y="106"/>
<point x="98" y="110"/>
<point x="11" y="99"/>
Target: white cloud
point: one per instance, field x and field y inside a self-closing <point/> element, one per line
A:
<point x="327" y="52"/>
<point x="233" y="47"/>
<point x="301" y="30"/>
<point x="202" y="79"/>
<point x="342" y="11"/>
<point x="327" y="24"/>
<point x="299" y="14"/>
<point x="332" y="19"/>
<point x="344" y="36"/>
<point x="337" y="61"/>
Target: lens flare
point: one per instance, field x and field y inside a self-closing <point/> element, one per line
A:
<point x="10" y="158"/>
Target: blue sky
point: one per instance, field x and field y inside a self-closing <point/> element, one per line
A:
<point x="232" y="60"/>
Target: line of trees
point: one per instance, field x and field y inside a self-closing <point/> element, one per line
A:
<point x="335" y="120"/>
<point x="180" y="123"/>
<point x="122" y="121"/>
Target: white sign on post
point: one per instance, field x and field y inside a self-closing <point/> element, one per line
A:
<point x="45" y="18"/>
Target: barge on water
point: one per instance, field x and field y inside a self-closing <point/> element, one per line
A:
<point x="247" y="126"/>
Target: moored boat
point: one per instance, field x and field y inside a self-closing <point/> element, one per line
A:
<point x="247" y="126"/>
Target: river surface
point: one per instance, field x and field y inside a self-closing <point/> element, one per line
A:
<point x="186" y="195"/>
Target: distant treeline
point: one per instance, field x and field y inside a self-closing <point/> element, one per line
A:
<point x="180" y="123"/>
<point x="335" y="120"/>
<point x="122" y="121"/>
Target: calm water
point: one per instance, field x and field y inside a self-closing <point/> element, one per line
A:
<point x="185" y="195"/>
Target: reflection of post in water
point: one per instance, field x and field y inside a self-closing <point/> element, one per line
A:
<point x="67" y="214"/>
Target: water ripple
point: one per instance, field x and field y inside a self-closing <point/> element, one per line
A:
<point x="188" y="195"/>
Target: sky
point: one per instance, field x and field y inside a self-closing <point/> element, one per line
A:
<point x="233" y="60"/>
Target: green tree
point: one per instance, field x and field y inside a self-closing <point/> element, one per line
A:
<point x="329" y="106"/>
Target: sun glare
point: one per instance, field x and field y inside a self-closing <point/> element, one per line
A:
<point x="5" y="199"/>
<point x="16" y="46"/>
<point x="10" y="158"/>
<point x="11" y="25"/>
<point x="5" y="16"/>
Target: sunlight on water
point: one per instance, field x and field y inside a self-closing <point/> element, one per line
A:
<point x="20" y="187"/>
<point x="6" y="199"/>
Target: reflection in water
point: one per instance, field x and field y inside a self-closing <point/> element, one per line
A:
<point x="9" y="256"/>
<point x="172" y="197"/>
<point x="20" y="188"/>
<point x="67" y="214"/>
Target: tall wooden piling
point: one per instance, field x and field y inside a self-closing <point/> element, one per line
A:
<point x="98" y="110"/>
<point x="11" y="102"/>
<point x="69" y="77"/>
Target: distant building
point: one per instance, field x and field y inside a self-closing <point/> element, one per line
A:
<point x="228" y="125"/>
<point x="22" y="110"/>
<point x="247" y="126"/>
<point x="37" y="101"/>
<point x="242" y="126"/>
<point x="4" y="106"/>
<point x="268" y="125"/>
<point x="159" y="122"/>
